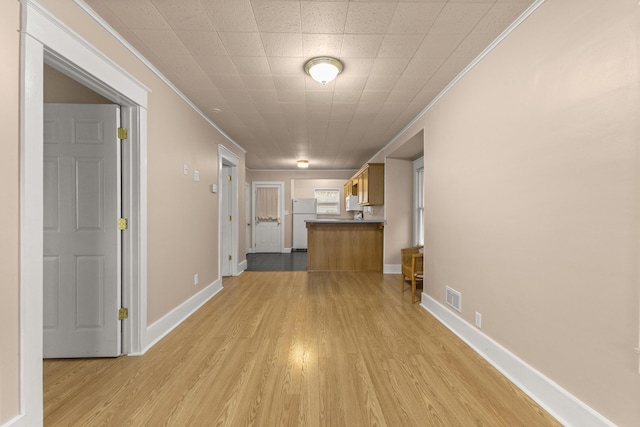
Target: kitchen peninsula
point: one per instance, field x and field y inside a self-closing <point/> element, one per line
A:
<point x="345" y="245"/>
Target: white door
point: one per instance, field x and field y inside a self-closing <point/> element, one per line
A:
<point x="226" y="257"/>
<point x="268" y="230"/>
<point x="247" y="217"/>
<point x="81" y="238"/>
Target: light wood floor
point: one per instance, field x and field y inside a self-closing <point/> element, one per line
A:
<point x="294" y="349"/>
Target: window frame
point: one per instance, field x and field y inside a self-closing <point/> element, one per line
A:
<point x="333" y="204"/>
<point x="418" y="201"/>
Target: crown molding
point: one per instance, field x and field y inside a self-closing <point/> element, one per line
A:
<point x="515" y="24"/>
<point x="96" y="17"/>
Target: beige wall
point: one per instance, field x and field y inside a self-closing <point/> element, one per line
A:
<point x="294" y="176"/>
<point x="531" y="193"/>
<point x="9" y="214"/>
<point x="62" y="89"/>
<point x="398" y="198"/>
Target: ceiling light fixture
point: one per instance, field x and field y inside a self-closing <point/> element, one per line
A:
<point x="303" y="163"/>
<point x="323" y="69"/>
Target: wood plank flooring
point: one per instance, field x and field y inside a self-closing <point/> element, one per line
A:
<point x="294" y="349"/>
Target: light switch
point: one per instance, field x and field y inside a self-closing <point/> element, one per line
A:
<point x="185" y="169"/>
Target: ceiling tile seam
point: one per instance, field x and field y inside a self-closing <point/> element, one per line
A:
<point x="477" y="23"/>
<point x="515" y="24"/>
<point x="89" y="11"/>
<point x="161" y="15"/>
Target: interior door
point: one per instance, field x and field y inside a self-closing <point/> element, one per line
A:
<point x="226" y="256"/>
<point x="247" y="217"/>
<point x="268" y="220"/>
<point x="82" y="279"/>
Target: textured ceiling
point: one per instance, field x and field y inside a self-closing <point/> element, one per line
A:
<point x="241" y="62"/>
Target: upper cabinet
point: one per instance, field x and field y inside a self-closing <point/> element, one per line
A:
<point x="367" y="184"/>
<point x="350" y="189"/>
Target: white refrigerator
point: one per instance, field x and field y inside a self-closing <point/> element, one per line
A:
<point x="303" y="209"/>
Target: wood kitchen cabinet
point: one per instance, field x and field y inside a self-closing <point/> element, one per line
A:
<point x="349" y="245"/>
<point x="350" y="189"/>
<point x="368" y="184"/>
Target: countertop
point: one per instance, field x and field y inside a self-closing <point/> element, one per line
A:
<point x="344" y="221"/>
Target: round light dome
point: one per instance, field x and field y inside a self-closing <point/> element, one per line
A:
<point x="323" y="69"/>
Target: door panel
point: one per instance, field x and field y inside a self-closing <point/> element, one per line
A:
<point x="268" y="233"/>
<point x="267" y="236"/>
<point x="81" y="240"/>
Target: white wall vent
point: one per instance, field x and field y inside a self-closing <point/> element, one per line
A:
<point x="454" y="299"/>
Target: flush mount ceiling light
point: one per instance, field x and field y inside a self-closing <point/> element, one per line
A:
<point x="303" y="163"/>
<point x="323" y="69"/>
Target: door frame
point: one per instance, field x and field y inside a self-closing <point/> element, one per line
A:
<point x="248" y="245"/>
<point x="44" y="38"/>
<point x="280" y="185"/>
<point x="227" y="158"/>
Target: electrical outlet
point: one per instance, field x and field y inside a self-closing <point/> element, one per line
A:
<point x="195" y="279"/>
<point x="478" y="320"/>
<point x="196" y="176"/>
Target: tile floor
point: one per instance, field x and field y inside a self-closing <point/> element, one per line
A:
<point x="294" y="261"/>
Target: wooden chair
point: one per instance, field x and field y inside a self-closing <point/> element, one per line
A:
<point x="412" y="268"/>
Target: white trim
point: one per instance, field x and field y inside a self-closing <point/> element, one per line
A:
<point x="62" y="42"/>
<point x="392" y="269"/>
<point x="242" y="266"/>
<point x="228" y="158"/>
<point x="152" y="68"/>
<point x="31" y="231"/>
<point x="45" y="38"/>
<point x="561" y="404"/>
<point x="167" y="323"/>
<point x="418" y="165"/>
<point x="15" y="421"/>
<point x="515" y="24"/>
<point x="134" y="202"/>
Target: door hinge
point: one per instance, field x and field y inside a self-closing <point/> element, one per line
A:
<point x="122" y="133"/>
<point x="230" y="258"/>
<point x="229" y="217"/>
<point x="229" y="177"/>
<point x="123" y="313"/>
<point x="123" y="223"/>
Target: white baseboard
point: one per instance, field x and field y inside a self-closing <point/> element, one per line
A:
<point x="392" y="269"/>
<point x="561" y="404"/>
<point x="175" y="317"/>
<point x="15" y="421"/>
<point x="286" y="250"/>
<point x="242" y="266"/>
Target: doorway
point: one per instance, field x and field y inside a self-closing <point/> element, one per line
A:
<point x="228" y="190"/>
<point x="44" y="39"/>
<point x="267" y="216"/>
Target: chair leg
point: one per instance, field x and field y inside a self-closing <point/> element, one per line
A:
<point x="413" y="290"/>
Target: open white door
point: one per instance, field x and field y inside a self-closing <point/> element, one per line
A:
<point x="267" y="216"/>
<point x="82" y="248"/>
